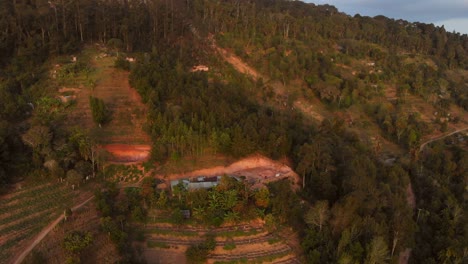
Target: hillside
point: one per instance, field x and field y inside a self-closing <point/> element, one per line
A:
<point x="366" y="116"/>
<point x="122" y="136"/>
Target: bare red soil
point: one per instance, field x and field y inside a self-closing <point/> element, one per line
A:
<point x="128" y="153"/>
<point x="256" y="168"/>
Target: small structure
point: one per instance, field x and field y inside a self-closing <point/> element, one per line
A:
<point x="185" y="213"/>
<point x="200" y="182"/>
<point x="200" y="68"/>
<point x="67" y="98"/>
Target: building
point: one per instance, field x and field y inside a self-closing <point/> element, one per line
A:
<point x="200" y="182"/>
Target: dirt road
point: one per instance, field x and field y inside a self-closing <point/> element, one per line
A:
<point x="44" y="233"/>
<point x="441" y="137"/>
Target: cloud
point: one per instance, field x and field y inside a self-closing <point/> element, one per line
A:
<point x="457" y="24"/>
<point x="426" y="11"/>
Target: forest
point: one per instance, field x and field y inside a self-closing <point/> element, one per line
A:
<point x="357" y="205"/>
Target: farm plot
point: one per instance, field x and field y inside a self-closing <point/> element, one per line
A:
<point x="100" y="79"/>
<point x="234" y="244"/>
<point x="85" y="220"/>
<point x="25" y="212"/>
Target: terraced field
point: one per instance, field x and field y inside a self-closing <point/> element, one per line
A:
<point x="85" y="219"/>
<point x="102" y="80"/>
<point x="25" y="212"/>
<point x="234" y="244"/>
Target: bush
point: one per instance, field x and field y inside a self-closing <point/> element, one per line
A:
<point x="122" y="63"/>
<point x="99" y="110"/>
<point x="197" y="254"/>
<point x="229" y="246"/>
<point x="157" y="244"/>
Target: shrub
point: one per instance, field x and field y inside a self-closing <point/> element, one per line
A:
<point x="99" y="110"/>
<point x="197" y="254"/>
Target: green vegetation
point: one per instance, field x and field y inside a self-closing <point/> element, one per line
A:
<point x="156" y="244"/>
<point x="440" y="178"/>
<point x="353" y="208"/>
<point x="76" y="241"/>
<point x="122" y="173"/>
<point x="229" y="246"/>
<point x="259" y="260"/>
<point x="25" y="213"/>
<point x="230" y="202"/>
<point x="199" y="253"/>
<point x="99" y="111"/>
<point x="173" y="232"/>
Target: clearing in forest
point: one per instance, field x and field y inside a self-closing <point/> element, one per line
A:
<point x="124" y="133"/>
<point x="295" y="96"/>
<point x="283" y="94"/>
<point x="257" y="169"/>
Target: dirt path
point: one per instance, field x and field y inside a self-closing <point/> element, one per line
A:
<point x="307" y="108"/>
<point x="44" y="233"/>
<point x="448" y="134"/>
<point x="238" y="64"/>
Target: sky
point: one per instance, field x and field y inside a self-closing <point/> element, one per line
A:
<point x="453" y="14"/>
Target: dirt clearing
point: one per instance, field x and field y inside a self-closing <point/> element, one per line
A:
<point x="257" y="169"/>
<point x="123" y="136"/>
<point x="128" y="153"/>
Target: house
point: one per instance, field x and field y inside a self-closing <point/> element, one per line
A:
<point x="185" y="213"/>
<point x="199" y="68"/>
<point x="199" y="182"/>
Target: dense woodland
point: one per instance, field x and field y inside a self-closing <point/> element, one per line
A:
<point x="357" y="206"/>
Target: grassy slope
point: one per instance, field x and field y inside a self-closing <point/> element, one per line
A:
<point x="124" y="103"/>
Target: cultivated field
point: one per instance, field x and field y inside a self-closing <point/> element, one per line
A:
<point x="127" y="112"/>
<point x="249" y="243"/>
<point x="24" y="212"/>
<point x="85" y="219"/>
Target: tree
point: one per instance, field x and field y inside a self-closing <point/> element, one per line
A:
<point x="76" y="241"/>
<point x="401" y="124"/>
<point x="86" y="147"/>
<point x="228" y="199"/>
<point x="162" y="200"/>
<point x="270" y="223"/>
<point x="39" y="138"/>
<point x="54" y="169"/>
<point x="74" y="178"/>
<point x="377" y="251"/>
<point x="99" y="110"/>
<point x="179" y="190"/>
<point x="262" y="197"/>
<point x="67" y="213"/>
<point x="318" y="215"/>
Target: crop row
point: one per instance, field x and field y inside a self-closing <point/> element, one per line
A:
<point x="53" y="196"/>
<point x="30" y="193"/>
<point x="252" y="254"/>
<point x="5" y="252"/>
<point x="197" y="240"/>
<point x="50" y="202"/>
<point x="27" y="223"/>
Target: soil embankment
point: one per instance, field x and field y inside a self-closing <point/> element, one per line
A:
<point x="127" y="153"/>
<point x="256" y="168"/>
